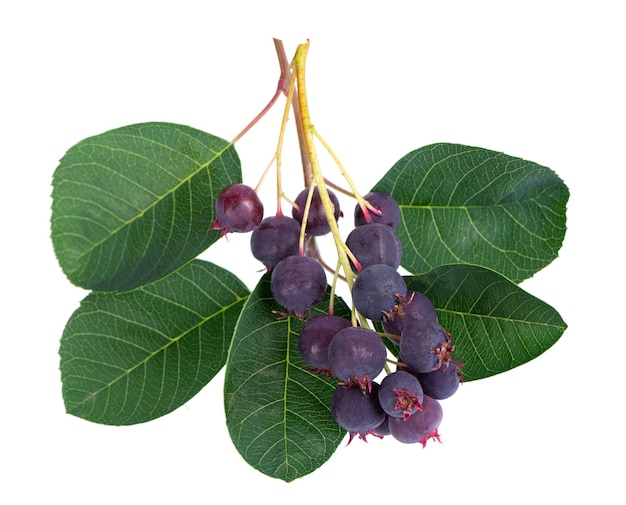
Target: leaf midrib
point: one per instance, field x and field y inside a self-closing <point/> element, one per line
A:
<point x="163" y="348"/>
<point x="158" y="199"/>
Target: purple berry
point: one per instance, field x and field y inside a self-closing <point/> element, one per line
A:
<point x="375" y="243"/>
<point x="443" y="382"/>
<point x="238" y="209"/>
<point x="425" y="346"/>
<point x="356" y="411"/>
<point x="315" y="338"/>
<point x="400" y="394"/>
<point x="382" y="430"/>
<point x="275" y="238"/>
<point x="357" y="356"/>
<point x="417" y="307"/>
<point x="420" y="426"/>
<point x="388" y="211"/>
<point x="377" y="291"/>
<point x="316" y="223"/>
<point x="298" y="283"/>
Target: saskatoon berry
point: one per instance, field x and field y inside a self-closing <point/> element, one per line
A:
<point x="382" y="429"/>
<point x="356" y="412"/>
<point x="375" y="243"/>
<point x="298" y="283"/>
<point x="316" y="223"/>
<point x="443" y="382"/>
<point x="377" y="291"/>
<point x="385" y="204"/>
<point x="315" y="338"/>
<point x="420" y="426"/>
<point x="356" y="356"/>
<point x="424" y="346"/>
<point x="275" y="238"/>
<point x="417" y="307"/>
<point x="400" y="394"/>
<point x="238" y="209"/>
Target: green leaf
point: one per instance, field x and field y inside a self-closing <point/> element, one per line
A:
<point x="131" y="357"/>
<point x="133" y="204"/>
<point x="495" y="324"/>
<point x="277" y="412"/>
<point x="468" y="205"/>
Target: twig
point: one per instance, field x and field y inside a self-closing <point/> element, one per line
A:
<point x="285" y="73"/>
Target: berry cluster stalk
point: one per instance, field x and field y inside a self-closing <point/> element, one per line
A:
<point x="318" y="178"/>
<point x="285" y="76"/>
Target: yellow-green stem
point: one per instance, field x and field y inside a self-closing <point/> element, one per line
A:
<point x="286" y="76"/>
<point x="344" y="173"/>
<point x="318" y="178"/>
<point x="279" y="148"/>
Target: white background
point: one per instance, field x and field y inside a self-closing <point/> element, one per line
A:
<point x="540" y="80"/>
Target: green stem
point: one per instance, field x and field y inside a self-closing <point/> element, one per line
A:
<point x="318" y="178"/>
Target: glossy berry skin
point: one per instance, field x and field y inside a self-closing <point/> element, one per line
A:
<point x="275" y="238"/>
<point x="298" y="283"/>
<point x="386" y="205"/>
<point x="357" y="356"/>
<point x="316" y="336"/>
<point x="443" y="382"/>
<point x="357" y="412"/>
<point x="375" y="243"/>
<point x="238" y="209"/>
<point x="419" y="427"/>
<point x="418" y="307"/>
<point x="377" y="290"/>
<point x="400" y="394"/>
<point x="316" y="224"/>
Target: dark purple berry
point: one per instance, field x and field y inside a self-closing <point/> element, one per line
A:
<point x="375" y="243"/>
<point x="417" y="307"/>
<point x="377" y="291"/>
<point x="298" y="283"/>
<point x="316" y="223"/>
<point x="315" y="338"/>
<point x="421" y="426"/>
<point x="443" y="382"/>
<point x="382" y="430"/>
<point x="425" y="346"/>
<point x="357" y="412"/>
<point x="388" y="211"/>
<point x="238" y="209"/>
<point x="357" y="355"/>
<point x="400" y="394"/>
<point x="275" y="238"/>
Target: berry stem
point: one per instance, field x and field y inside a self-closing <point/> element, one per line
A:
<point x="305" y="217"/>
<point x="333" y="288"/>
<point x="339" y="188"/>
<point x="392" y="336"/>
<point x="286" y="75"/>
<point x="279" y="90"/>
<point x="318" y="178"/>
<point x="344" y="173"/>
<point x="279" y="147"/>
<point x="264" y="174"/>
<point x="368" y="209"/>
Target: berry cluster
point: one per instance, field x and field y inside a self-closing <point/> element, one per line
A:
<point x="405" y="403"/>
